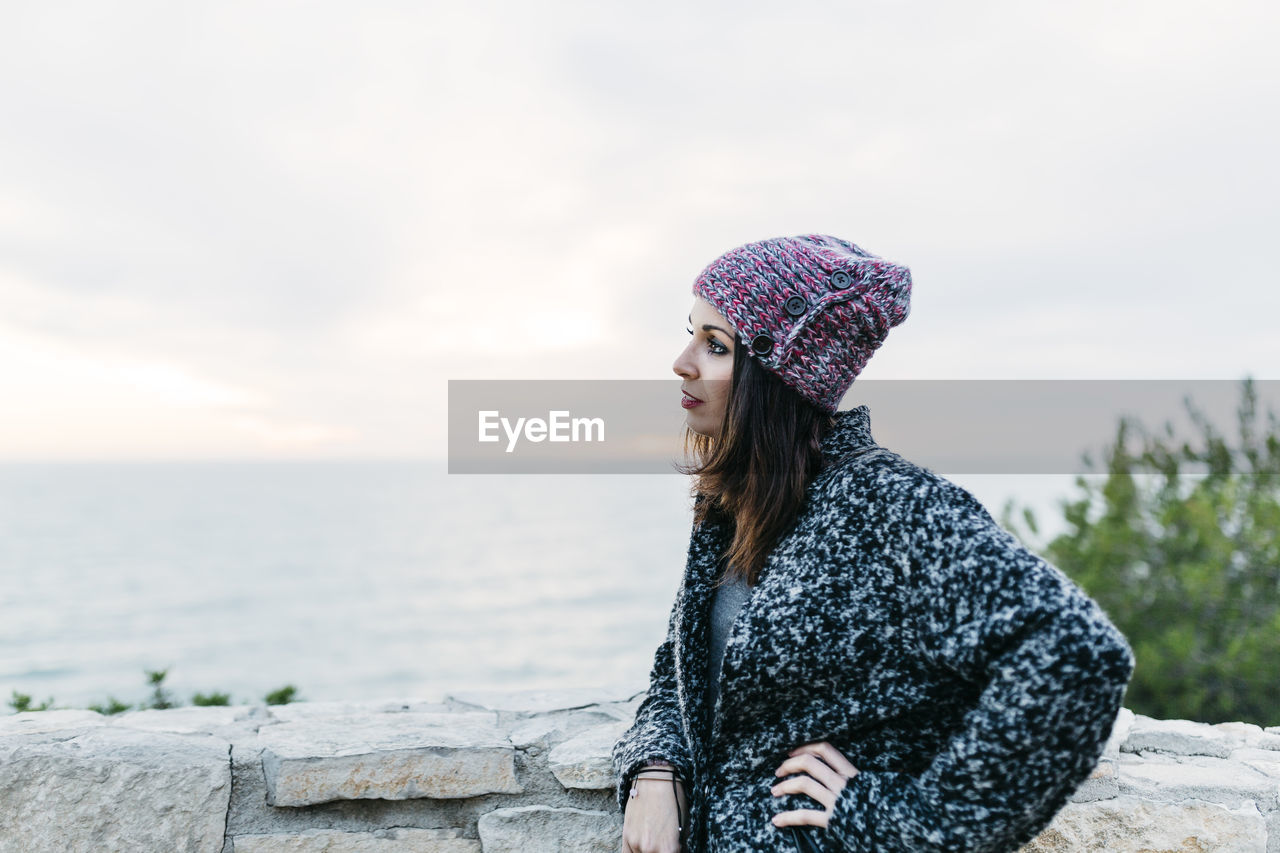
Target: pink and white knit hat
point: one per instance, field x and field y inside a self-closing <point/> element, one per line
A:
<point x="811" y="308"/>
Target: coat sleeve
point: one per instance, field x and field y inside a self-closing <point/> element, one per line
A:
<point x="1055" y="670"/>
<point x="658" y="730"/>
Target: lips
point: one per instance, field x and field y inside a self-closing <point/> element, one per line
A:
<point x="691" y="397"/>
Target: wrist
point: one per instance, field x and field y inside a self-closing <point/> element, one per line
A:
<point x="655" y="768"/>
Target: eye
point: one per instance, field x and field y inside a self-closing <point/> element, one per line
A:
<point x="715" y="346"/>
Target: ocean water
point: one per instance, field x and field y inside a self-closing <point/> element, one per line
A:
<point x="349" y="580"/>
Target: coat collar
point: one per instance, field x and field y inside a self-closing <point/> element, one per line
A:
<point x="850" y="435"/>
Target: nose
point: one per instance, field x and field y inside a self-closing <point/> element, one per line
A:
<point x="683" y="365"/>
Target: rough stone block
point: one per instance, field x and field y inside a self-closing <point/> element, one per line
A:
<point x="292" y="711"/>
<point x="1178" y="737"/>
<point x="1249" y="735"/>
<point x="1133" y="825"/>
<point x="538" y="828"/>
<point x="541" y="701"/>
<point x="1119" y="733"/>
<point x="624" y="710"/>
<point x="1157" y="777"/>
<point x="543" y="732"/>
<point x="1265" y="761"/>
<point x="186" y="720"/>
<point x="113" y="788"/>
<point x="386" y="756"/>
<point x="586" y="761"/>
<point x="398" y="840"/>
<point x="1103" y="783"/>
<point x="34" y="722"/>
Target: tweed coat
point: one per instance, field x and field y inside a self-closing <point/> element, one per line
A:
<point x="971" y="682"/>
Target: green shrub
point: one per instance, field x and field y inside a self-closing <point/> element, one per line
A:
<point x="1187" y="565"/>
<point x="282" y="696"/>
<point x="161" y="698"/>
<point x="22" y="702"/>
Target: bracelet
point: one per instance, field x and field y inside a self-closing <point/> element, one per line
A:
<point x="662" y="771"/>
<point x="661" y="774"/>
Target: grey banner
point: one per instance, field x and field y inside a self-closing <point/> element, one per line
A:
<point x="559" y="426"/>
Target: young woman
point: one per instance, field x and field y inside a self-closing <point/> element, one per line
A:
<point x="858" y="657"/>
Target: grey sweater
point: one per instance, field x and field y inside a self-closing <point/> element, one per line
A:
<point x="727" y="601"/>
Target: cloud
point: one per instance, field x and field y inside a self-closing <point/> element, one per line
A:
<point x="333" y="210"/>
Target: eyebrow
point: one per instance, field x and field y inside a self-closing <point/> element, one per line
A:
<point x="706" y="326"/>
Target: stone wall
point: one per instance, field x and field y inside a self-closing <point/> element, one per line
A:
<point x="505" y="772"/>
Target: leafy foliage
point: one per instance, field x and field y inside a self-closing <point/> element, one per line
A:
<point x="22" y="702"/>
<point x="160" y="698"/>
<point x="1186" y="564"/>
<point x="282" y="696"/>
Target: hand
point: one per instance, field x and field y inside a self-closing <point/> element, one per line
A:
<point x="827" y="772"/>
<point x="652" y="820"/>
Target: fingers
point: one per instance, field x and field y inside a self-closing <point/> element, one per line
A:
<point x="808" y="785"/>
<point x="800" y="817"/>
<point x="828" y="754"/>
<point x="822" y="772"/>
<point x="815" y="767"/>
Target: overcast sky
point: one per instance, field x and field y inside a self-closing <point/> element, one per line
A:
<point x="259" y="230"/>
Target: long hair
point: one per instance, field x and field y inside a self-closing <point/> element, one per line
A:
<point x="754" y="474"/>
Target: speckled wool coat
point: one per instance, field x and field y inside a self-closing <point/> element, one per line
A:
<point x="972" y="683"/>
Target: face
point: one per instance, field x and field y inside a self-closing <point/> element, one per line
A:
<point x="706" y="366"/>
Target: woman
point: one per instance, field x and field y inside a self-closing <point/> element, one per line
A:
<point x="858" y="657"/>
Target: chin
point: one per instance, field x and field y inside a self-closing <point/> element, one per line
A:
<point x="701" y="424"/>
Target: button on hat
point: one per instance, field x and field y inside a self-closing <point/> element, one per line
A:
<point x="796" y="306"/>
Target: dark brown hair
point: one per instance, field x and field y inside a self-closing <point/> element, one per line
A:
<point x="755" y="473"/>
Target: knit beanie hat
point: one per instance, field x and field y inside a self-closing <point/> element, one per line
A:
<point x="811" y="309"/>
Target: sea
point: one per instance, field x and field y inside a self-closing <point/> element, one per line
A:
<point x="347" y="580"/>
